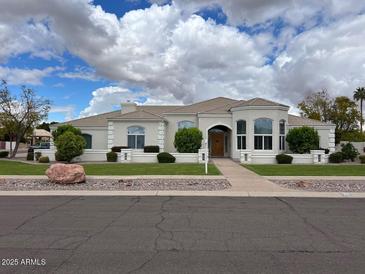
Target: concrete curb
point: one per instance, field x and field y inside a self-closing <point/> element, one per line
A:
<point x="207" y="177"/>
<point x="339" y="178"/>
<point x="185" y="193"/>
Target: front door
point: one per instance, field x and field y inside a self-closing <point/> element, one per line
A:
<point x="217" y="144"/>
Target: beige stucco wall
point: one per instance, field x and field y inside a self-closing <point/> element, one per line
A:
<point x="121" y="132"/>
<point x="99" y="136"/>
<point x="171" y="128"/>
<point x="250" y="115"/>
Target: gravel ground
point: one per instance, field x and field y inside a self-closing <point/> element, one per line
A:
<point x="114" y="184"/>
<point x="323" y="185"/>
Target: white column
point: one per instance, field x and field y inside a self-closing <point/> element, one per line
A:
<point x="125" y="156"/>
<point x="161" y="136"/>
<point x="245" y="156"/>
<point x="110" y="135"/>
<point x="331" y="141"/>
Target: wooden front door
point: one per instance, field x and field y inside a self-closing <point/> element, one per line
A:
<point x="217" y="144"/>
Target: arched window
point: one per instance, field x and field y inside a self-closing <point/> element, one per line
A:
<point x="136" y="137"/>
<point x="263" y="134"/>
<point x="282" y="135"/>
<point x="241" y="134"/>
<point x="88" y="141"/>
<point x="185" y="124"/>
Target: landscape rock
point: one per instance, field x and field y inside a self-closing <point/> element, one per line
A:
<point x="303" y="184"/>
<point x="66" y="174"/>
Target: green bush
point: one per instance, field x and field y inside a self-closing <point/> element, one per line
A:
<point x="349" y="152"/>
<point x="165" y="157"/>
<point x="188" y="140"/>
<point x="111" y="156"/>
<point x="336" y="157"/>
<point x="44" y="159"/>
<point x="302" y="139"/>
<point x="30" y="156"/>
<point x="151" y="149"/>
<point x="69" y="146"/>
<point x="362" y="159"/>
<point x="38" y="155"/>
<point x="63" y="129"/>
<point x="284" y="159"/>
<point x="353" y="136"/>
<point x="4" y="154"/>
<point x="118" y="148"/>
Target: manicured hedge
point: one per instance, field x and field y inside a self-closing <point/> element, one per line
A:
<point x="4" y="154"/>
<point x="111" y="156"/>
<point x="336" y="157"/>
<point x="165" y="157"/>
<point x="284" y="159"/>
<point x="188" y="140"/>
<point x="44" y="159"/>
<point x="151" y="149"/>
<point x="362" y="159"/>
<point x="118" y="148"/>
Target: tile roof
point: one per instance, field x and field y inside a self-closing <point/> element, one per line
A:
<point x="259" y="102"/>
<point x="301" y="121"/>
<point x="204" y="105"/>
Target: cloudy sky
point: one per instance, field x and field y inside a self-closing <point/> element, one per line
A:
<point x="87" y="56"/>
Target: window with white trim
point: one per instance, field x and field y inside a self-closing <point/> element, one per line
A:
<point x="263" y="134"/>
<point x="136" y="137"/>
<point x="282" y="135"/>
<point x="185" y="124"/>
<point x="241" y="134"/>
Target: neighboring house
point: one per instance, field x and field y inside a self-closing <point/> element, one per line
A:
<point x="229" y="125"/>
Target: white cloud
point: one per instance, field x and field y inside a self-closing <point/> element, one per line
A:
<point x="81" y="73"/>
<point x="104" y="99"/>
<point x="67" y="111"/>
<point x="17" y="76"/>
<point x="331" y="57"/>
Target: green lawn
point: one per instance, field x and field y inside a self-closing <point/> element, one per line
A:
<point x="308" y="170"/>
<point x="18" y="168"/>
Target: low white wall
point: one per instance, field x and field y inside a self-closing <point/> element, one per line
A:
<point x="263" y="159"/>
<point x="93" y="155"/>
<point x="302" y="158"/>
<point x="141" y="157"/>
<point x="186" y="157"/>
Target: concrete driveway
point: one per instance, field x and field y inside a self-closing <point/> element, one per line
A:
<point x="182" y="235"/>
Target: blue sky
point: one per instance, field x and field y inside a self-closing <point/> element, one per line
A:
<point x="86" y="56"/>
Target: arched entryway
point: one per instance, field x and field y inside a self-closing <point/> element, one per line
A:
<point x="219" y="141"/>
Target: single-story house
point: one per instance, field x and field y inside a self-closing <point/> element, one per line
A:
<point x="254" y="129"/>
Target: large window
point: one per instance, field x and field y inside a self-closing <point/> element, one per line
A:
<point x="241" y="134"/>
<point x="135" y="137"/>
<point x="282" y="135"/>
<point x="263" y="134"/>
<point x="88" y="141"/>
<point x="185" y="124"/>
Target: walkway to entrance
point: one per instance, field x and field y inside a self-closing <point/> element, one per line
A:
<point x="243" y="179"/>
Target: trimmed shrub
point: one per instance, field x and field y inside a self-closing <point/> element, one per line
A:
<point x="188" y="140"/>
<point x="349" y="152"/>
<point x="30" y="156"/>
<point x="302" y="139"/>
<point x="362" y="159"/>
<point x="165" y="157"/>
<point x="4" y="154"/>
<point x="336" y="157"/>
<point x="151" y="149"/>
<point x="118" y="148"/>
<point x="69" y="146"/>
<point x="63" y="129"/>
<point x="284" y="159"/>
<point x="111" y="156"/>
<point x="44" y="159"/>
<point x="37" y="155"/>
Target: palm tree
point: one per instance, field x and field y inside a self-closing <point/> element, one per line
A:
<point x="359" y="95"/>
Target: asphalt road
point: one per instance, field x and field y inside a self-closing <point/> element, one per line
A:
<point x="181" y="235"/>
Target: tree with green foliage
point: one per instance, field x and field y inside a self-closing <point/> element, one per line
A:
<point x="69" y="146"/>
<point x="317" y="106"/>
<point x="188" y="140"/>
<point x="45" y="126"/>
<point x="349" y="152"/>
<point x="345" y="116"/>
<point x="20" y="114"/>
<point x="359" y="95"/>
<point x="65" y="128"/>
<point x="302" y="139"/>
